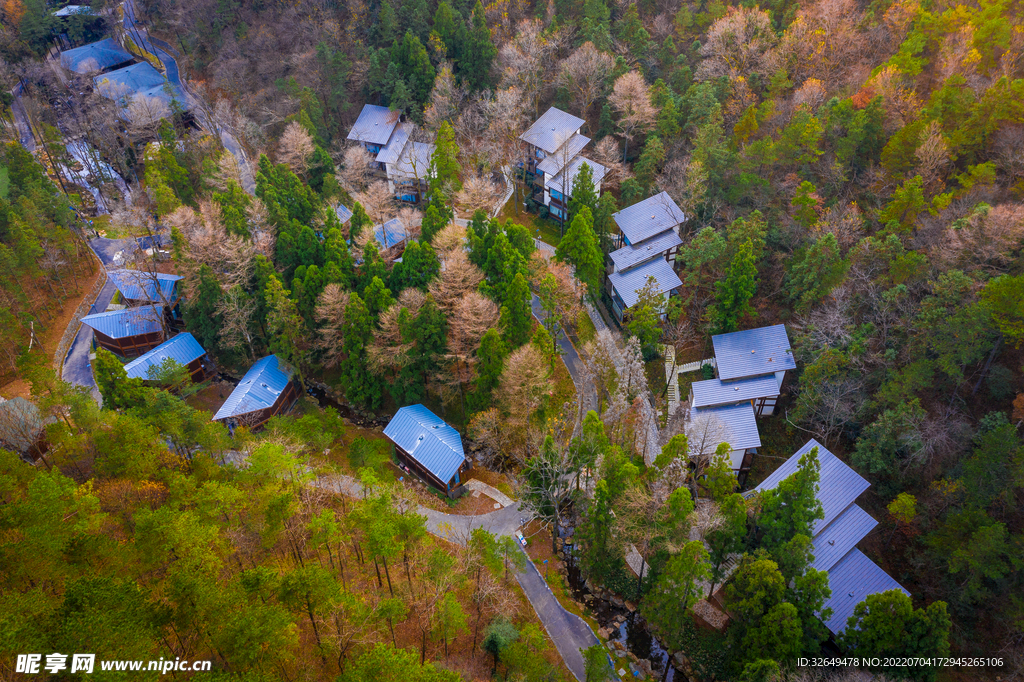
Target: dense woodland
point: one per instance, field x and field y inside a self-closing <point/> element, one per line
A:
<point x="850" y="169"/>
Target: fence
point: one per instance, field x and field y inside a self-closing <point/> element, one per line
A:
<point x="75" y="324"/>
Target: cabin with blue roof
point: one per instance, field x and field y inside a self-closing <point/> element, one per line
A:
<point x="265" y="391"/>
<point x="852" y="576"/>
<point x="128" y="333"/>
<point x="428" y="446"/>
<point x="183" y="349"/>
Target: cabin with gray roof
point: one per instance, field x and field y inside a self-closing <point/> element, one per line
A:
<point x="553" y="145"/>
<point x="141" y="91"/>
<point x="128" y="333"/>
<point x="649" y="239"/>
<point x="391" y="235"/>
<point x="745" y="360"/>
<point x="396" y="156"/>
<point x="852" y="576"/>
<point x="429" y="447"/>
<point x="95" y="58"/>
<point x="183" y="349"/>
<point x="733" y="424"/>
<point x="265" y="391"/>
<point x="144" y="288"/>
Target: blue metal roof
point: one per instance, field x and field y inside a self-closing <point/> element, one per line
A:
<point x="391" y="152"/>
<point x="840" y="536"/>
<point x="553" y="129"/>
<point x="183" y="348"/>
<point x="258" y="389"/>
<point x="630" y="256"/>
<point x="739" y="427"/>
<point x="838" y="484"/>
<point x="136" y="285"/>
<point x="344" y="213"/>
<point x="628" y="283"/>
<point x="554" y="163"/>
<point x="391" y="233"/>
<point x="851" y="580"/>
<point x="374" y="125"/>
<point x="753" y="352"/>
<point x="649" y="217"/>
<point x="716" y="392"/>
<point x="94" y="57"/>
<point x="120" y="324"/>
<point x="428" y="440"/>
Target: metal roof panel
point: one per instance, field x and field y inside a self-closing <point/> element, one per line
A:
<point x="648" y="218"/>
<point x="428" y="440"/>
<point x="739" y="425"/>
<point x="838" y="484"/>
<point x="753" y="352"/>
<point x="553" y="129"/>
<point x="120" y="324"/>
<point x="716" y="392"/>
<point x="136" y="285"/>
<point x="344" y="213"/>
<point x="258" y="389"/>
<point x="571" y="171"/>
<point x="851" y="580"/>
<point x="629" y="256"/>
<point x="391" y="233"/>
<point x="94" y="57"/>
<point x="413" y="162"/>
<point x="374" y="125"/>
<point x="553" y="163"/>
<point x="840" y="536"/>
<point x="628" y="283"/>
<point x="183" y="348"/>
<point x="390" y="152"/>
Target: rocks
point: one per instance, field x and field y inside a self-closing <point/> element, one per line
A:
<point x="617" y="601"/>
<point x="630" y="606"/>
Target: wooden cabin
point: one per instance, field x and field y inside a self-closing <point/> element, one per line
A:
<point x="429" y="447"/>
<point x="128" y="333"/>
<point x="265" y="391"/>
<point x="183" y="349"/>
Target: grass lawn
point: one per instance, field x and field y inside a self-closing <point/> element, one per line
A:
<point x="585" y="330"/>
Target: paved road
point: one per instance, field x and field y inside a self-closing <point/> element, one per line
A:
<point x="568" y="631"/>
<point x="106" y="249"/>
<point x="568" y="352"/>
<point x="77" y="369"/>
<point x="164" y="51"/>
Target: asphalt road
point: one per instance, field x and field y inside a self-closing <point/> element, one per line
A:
<point x="77" y="369"/>
<point x="568" y="352"/>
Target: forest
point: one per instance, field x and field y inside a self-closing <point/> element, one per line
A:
<point x="849" y="169"/>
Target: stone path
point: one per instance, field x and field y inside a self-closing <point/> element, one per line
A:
<point x="490" y="491"/>
<point x="510" y="187"/>
<point x="694" y="366"/>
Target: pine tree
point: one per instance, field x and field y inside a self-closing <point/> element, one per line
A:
<point x="444" y="165"/>
<point x="385" y="29"/>
<point x="792" y="507"/>
<point x="516" y="315"/>
<point x="117" y="389"/>
<point x="360" y="385"/>
<point x="583" y="193"/>
<point x="287" y="331"/>
<point x="450" y="27"/>
<point x="491" y="359"/>
<point x="201" y="316"/>
<point x="580" y="248"/>
<point x="480" y="51"/>
<point x="416" y="18"/>
<point x="414" y="64"/>
<point x="433" y="222"/>
<point x="649" y="164"/>
<point x="734" y="294"/>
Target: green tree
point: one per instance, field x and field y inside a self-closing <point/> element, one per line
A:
<point x="498" y="637"/>
<point x="451" y="620"/>
<point x="1004" y="299"/>
<point x="815" y="271"/>
<point x="491" y="360"/>
<point x="805" y="204"/>
<point x="733" y="301"/>
<point x="580" y="248"/>
<point x="444" y="169"/>
<point x="887" y="625"/>
<point x="583" y="193"/>
<point x="906" y="204"/>
<point x="645" y="316"/>
<point x="479" y="51"/>
<point x="412" y="61"/>
<point x="384" y="662"/>
<point x="360" y="385"/>
<point x="201" y="315"/>
<point x="287" y="331"/>
<point x="516" y="315"/>
<point x="596" y="664"/>
<point x="678" y="587"/>
<point x="792" y="507"/>
<point x="117" y="389"/>
<point x="648" y="166"/>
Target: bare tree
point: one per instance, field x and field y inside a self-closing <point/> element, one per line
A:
<point x="330" y="313"/>
<point x="144" y="115"/>
<point x="844" y="221"/>
<point x="526" y="60"/>
<point x="478" y="192"/>
<point x="606" y="152"/>
<point x="583" y="74"/>
<point x="355" y="169"/>
<point x="451" y="237"/>
<point x="631" y="98"/>
<point x="932" y="157"/>
<point x="237" y="310"/>
<point x="824" y="41"/>
<point x="295" y="147"/>
<point x="470" y="319"/>
<point x="446" y="98"/>
<point x="456" y="280"/>
<point x="379" y="203"/>
<point x="739" y="44"/>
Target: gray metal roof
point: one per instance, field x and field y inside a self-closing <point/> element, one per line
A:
<point x="120" y="324"/>
<point x="374" y="125"/>
<point x="851" y="580"/>
<point x="753" y="352"/>
<point x="390" y="152"/>
<point x="391" y="233"/>
<point x="259" y="388"/>
<point x="94" y="57"/>
<point x="413" y="162"/>
<point x="629" y="256"/>
<point x="739" y="425"/>
<point x="840" y="536"/>
<point x="72" y="10"/>
<point x="136" y="285"/>
<point x="649" y="217"/>
<point x="715" y="392"/>
<point x="553" y="129"/>
<point x="428" y="440"/>
<point x="571" y="171"/>
<point x="628" y="283"/>
<point x="838" y="484"/>
<point x="137" y="80"/>
<point x="553" y="163"/>
<point x="183" y="348"/>
<point x="344" y="213"/>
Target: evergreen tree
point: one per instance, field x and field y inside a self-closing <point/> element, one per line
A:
<point x="385" y="31"/>
<point x="580" y="248"/>
<point x="450" y="27"/>
<point x="418" y="267"/>
<point x="378" y="297"/>
<point x="201" y="316"/>
<point x="429" y="331"/>
<point x="792" y="507"/>
<point x="480" y="51"/>
<point x="583" y="193"/>
<point x="433" y="222"/>
<point x="516" y="314"/>
<point x="649" y="164"/>
<point x="360" y="385"/>
<point x="734" y="294"/>
<point x="491" y="360"/>
<point x="444" y="167"/>
<point x="414" y="65"/>
<point x="416" y="18"/>
<point x="285" y="326"/>
<point x="677" y="588"/>
<point x="233" y="203"/>
<point x="815" y="271"/>
<point x="604" y="223"/>
<point x="358" y="222"/>
<point x="118" y="391"/>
